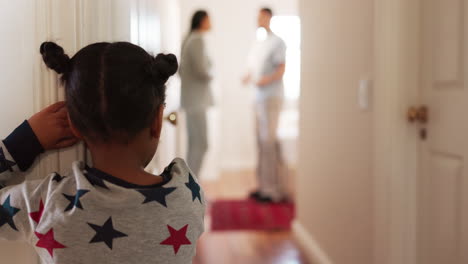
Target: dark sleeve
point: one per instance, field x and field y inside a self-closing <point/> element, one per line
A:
<point x="18" y="152"/>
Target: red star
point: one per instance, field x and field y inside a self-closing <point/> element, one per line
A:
<point x="177" y="238"/>
<point x="48" y="242"/>
<point x="36" y="216"/>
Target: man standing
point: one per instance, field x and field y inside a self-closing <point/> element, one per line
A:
<point x="266" y="69"/>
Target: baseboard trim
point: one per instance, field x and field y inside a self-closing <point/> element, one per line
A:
<point x="311" y="248"/>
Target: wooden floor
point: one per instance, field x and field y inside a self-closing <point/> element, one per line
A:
<point x="276" y="247"/>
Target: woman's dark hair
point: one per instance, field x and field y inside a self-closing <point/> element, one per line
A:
<point x="113" y="90"/>
<point x="197" y="19"/>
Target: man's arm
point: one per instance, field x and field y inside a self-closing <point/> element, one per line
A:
<point x="275" y="76"/>
<point x="278" y="60"/>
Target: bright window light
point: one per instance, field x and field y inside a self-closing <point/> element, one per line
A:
<point x="289" y="29"/>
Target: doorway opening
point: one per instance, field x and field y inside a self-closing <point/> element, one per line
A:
<point x="288" y="28"/>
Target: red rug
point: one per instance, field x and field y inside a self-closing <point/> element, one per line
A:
<point x="250" y="215"/>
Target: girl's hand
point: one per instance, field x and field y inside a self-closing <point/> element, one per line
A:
<point x="52" y="128"/>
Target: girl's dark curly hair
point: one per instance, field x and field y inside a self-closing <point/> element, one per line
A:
<point x="113" y="90"/>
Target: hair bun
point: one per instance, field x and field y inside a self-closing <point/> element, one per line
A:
<point x="54" y="57"/>
<point x="163" y="66"/>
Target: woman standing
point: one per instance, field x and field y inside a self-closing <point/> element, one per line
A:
<point x="196" y="97"/>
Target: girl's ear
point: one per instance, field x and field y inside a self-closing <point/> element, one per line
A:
<point x="73" y="128"/>
<point x="157" y="122"/>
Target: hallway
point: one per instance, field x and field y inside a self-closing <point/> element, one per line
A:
<point x="246" y="247"/>
<point x="375" y="105"/>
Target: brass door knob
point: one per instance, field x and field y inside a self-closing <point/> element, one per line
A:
<point x="172" y="118"/>
<point x="418" y="114"/>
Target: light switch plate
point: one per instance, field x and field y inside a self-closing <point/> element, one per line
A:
<point x="364" y="94"/>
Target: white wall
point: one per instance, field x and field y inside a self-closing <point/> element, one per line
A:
<point x="15" y="93"/>
<point x="232" y="138"/>
<point x="155" y="26"/>
<point x="335" y="186"/>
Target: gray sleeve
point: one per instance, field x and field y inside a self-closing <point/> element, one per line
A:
<point x="279" y="56"/>
<point x="199" y="60"/>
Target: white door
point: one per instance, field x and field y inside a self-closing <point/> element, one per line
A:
<point x="29" y="86"/>
<point x="16" y="80"/>
<point x="155" y="27"/>
<point x="443" y="179"/>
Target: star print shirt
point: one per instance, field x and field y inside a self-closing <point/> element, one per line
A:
<point x="88" y="216"/>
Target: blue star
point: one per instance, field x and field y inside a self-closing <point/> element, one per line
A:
<point x="57" y="177"/>
<point x="75" y="200"/>
<point x="105" y="233"/>
<point x="4" y="163"/>
<point x="96" y="181"/>
<point x="157" y="195"/>
<point x="194" y="187"/>
<point x="167" y="171"/>
<point x="6" y="214"/>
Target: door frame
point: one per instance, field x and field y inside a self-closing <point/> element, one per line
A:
<point x="397" y="36"/>
<point x="47" y="88"/>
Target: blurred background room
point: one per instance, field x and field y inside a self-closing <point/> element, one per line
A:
<point x="370" y="127"/>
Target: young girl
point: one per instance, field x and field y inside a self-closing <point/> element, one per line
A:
<point x="114" y="212"/>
